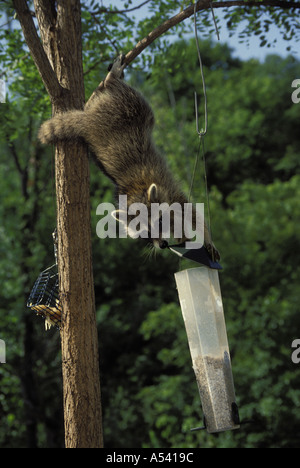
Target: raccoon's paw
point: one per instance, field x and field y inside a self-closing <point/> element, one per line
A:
<point x="117" y="68"/>
<point x="213" y="252"/>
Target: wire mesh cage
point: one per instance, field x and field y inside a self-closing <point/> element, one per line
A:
<point x="44" y="297"/>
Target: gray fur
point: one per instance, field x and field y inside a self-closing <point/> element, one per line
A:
<point x="117" y="124"/>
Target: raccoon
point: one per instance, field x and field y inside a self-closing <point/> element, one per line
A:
<point x="117" y="124"/>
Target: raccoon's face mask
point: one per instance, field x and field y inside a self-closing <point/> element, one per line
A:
<point x="157" y="221"/>
<point x="139" y="221"/>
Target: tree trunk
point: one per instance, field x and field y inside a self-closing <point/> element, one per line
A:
<point x="59" y="62"/>
<point x="80" y="366"/>
<point x="82" y="407"/>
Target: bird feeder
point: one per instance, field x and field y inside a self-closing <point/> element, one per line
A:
<point x="44" y="296"/>
<point x="202" y="309"/>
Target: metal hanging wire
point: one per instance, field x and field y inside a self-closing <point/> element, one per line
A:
<point x="202" y="132"/>
<point x="215" y="22"/>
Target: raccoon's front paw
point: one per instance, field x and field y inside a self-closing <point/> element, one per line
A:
<point x="117" y="68"/>
<point x="46" y="133"/>
<point x="213" y="252"/>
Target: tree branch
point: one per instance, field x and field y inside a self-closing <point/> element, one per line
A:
<point x="201" y="5"/>
<point x="106" y="10"/>
<point x="37" y="51"/>
<point x="188" y="12"/>
<point x="23" y="172"/>
<point x="258" y="3"/>
<point x="46" y="17"/>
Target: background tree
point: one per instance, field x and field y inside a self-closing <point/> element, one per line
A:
<point x="145" y="363"/>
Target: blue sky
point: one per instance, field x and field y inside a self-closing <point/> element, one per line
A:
<point x="241" y="50"/>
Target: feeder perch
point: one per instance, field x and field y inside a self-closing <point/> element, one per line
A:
<point x="44" y="297"/>
<point x="202" y="310"/>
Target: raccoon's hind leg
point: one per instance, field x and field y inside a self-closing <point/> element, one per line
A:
<point x="116" y="69"/>
<point x="66" y="126"/>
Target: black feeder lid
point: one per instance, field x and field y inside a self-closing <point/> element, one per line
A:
<point x="197" y="255"/>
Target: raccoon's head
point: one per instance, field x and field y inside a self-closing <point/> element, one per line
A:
<point x="149" y="216"/>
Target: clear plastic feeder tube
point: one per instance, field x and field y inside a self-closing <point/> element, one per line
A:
<point x="202" y="310"/>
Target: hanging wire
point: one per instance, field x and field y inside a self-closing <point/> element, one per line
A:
<point x="194" y="170"/>
<point x="202" y="132"/>
<point x="214" y="18"/>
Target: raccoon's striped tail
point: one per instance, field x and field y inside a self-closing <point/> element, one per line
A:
<point x="66" y="126"/>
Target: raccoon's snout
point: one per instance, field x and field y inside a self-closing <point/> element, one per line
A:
<point x="160" y="244"/>
<point x="163" y="244"/>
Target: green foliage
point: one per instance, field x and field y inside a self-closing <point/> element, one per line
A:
<point x="258" y="21"/>
<point x="149" y="394"/>
<point x="254" y="193"/>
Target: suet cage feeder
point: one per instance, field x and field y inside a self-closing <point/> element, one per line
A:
<point x="202" y="308"/>
<point x="44" y="297"/>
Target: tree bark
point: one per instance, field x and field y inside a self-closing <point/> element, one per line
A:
<point x="79" y="331"/>
<point x="82" y="407"/>
<point x="59" y="62"/>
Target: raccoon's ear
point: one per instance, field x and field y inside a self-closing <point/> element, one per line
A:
<point x="120" y="216"/>
<point x="152" y="193"/>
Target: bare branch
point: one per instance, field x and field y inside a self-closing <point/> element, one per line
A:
<point x="37" y="51"/>
<point x="103" y="28"/>
<point x="188" y="12"/>
<point x="22" y="172"/>
<point x="201" y="5"/>
<point x="105" y="10"/>
<point x="46" y="16"/>
<point x="264" y="3"/>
